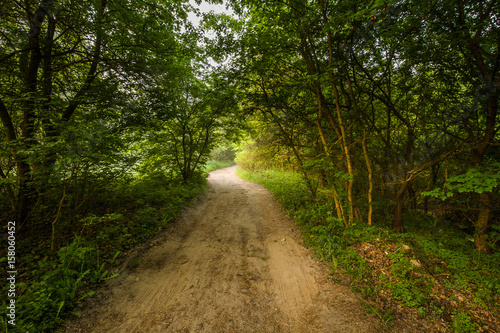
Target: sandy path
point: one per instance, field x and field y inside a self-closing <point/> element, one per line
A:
<point x="232" y="264"/>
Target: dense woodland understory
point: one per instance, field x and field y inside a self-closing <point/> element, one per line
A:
<point x="374" y="122"/>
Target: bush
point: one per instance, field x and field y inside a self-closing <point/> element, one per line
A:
<point x="59" y="285"/>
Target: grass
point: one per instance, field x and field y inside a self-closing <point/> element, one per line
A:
<point x="433" y="268"/>
<point x="212" y="165"/>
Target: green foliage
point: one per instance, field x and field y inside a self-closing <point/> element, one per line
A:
<point x="463" y="324"/>
<point x="366" y="98"/>
<point x="288" y="187"/>
<point x="205" y="117"/>
<point x="411" y="290"/>
<point x="223" y="153"/>
<point x="385" y="317"/>
<point x="251" y="157"/>
<point x="60" y="285"/>
<point x="475" y="180"/>
<point x="56" y="283"/>
<point x="81" y="97"/>
<point x="221" y="156"/>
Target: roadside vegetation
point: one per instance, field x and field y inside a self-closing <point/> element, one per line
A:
<point x="88" y="246"/>
<point x="430" y="272"/>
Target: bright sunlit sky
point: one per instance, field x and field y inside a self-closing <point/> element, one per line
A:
<point x="205" y="7"/>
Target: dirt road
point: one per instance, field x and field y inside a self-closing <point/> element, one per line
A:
<point x="233" y="263"/>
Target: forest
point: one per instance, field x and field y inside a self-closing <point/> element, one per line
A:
<point x="372" y="122"/>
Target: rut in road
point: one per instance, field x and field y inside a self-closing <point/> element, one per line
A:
<point x="232" y="264"/>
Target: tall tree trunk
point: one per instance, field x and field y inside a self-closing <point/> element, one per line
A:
<point x="26" y="194"/>
<point x="412" y="196"/>
<point x="478" y="60"/>
<point x="397" y="222"/>
<point x="478" y="153"/>
<point x="23" y="169"/>
<point x="399" y="199"/>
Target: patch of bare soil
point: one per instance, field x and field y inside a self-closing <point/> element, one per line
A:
<point x="233" y="263"/>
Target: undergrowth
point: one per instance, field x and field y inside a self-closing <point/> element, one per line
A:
<point x="432" y="268"/>
<point x="52" y="282"/>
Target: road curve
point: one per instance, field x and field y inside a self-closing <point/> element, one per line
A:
<point x="233" y="263"/>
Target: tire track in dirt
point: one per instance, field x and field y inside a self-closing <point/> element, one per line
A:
<point x="232" y="264"/>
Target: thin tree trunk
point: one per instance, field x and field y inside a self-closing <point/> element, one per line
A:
<point x="23" y="168"/>
<point x="345" y="149"/>
<point x="370" y="175"/>
<point x="338" y="205"/>
<point x="482" y="222"/>
<point x="432" y="184"/>
<point x="413" y="197"/>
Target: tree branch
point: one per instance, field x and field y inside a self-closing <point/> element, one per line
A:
<point x="91" y="75"/>
<point x="7" y="122"/>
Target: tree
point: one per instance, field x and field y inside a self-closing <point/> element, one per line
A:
<point x="201" y="116"/>
<point x="73" y="56"/>
<point x="469" y="31"/>
<point x="406" y="86"/>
